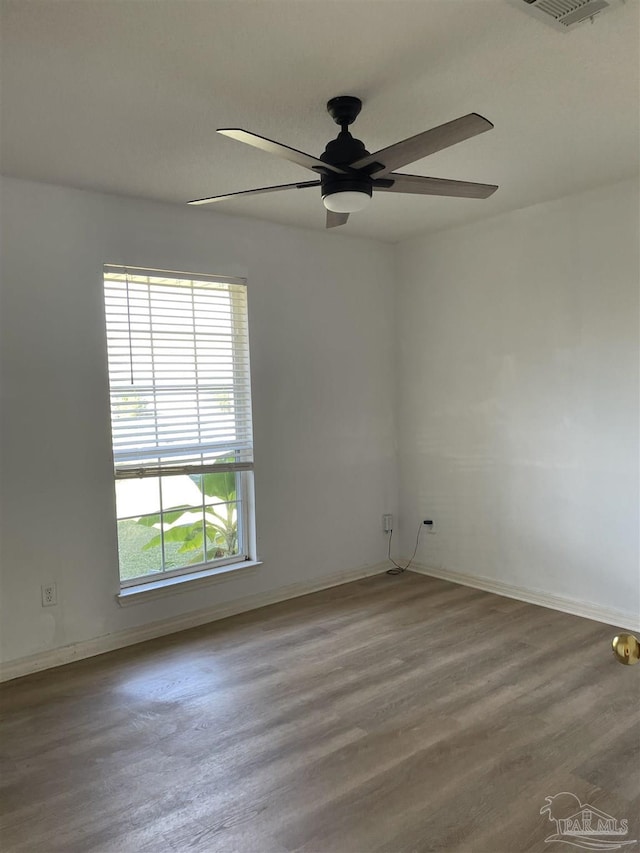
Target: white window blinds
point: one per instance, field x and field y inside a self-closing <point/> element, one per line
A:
<point x="178" y="372"/>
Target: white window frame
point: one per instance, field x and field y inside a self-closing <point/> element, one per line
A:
<point x="243" y="470"/>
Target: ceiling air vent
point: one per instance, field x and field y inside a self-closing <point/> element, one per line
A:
<point x="562" y="14"/>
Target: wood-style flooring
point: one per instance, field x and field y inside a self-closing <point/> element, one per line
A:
<point x="392" y="714"/>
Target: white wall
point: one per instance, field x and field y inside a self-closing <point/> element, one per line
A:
<point x="518" y="397"/>
<point x="321" y="320"/>
<point x="516" y="382"/>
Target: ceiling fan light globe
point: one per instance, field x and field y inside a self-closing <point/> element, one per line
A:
<point x="347" y="201"/>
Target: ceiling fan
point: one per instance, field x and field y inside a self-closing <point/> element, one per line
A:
<point x="348" y="173"/>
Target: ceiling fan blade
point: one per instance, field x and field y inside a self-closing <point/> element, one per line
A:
<point x="434" y="186"/>
<point x="334" y="219"/>
<point x="255" y="192"/>
<point x="419" y="146"/>
<point x="279" y="150"/>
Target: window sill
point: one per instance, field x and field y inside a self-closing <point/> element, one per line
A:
<point x="182" y="583"/>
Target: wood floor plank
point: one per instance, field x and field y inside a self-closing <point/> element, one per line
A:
<point x="392" y="714"/>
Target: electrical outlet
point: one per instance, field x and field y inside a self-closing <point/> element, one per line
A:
<point x="387" y="522"/>
<point x="430" y="524"/>
<point x="49" y="595"/>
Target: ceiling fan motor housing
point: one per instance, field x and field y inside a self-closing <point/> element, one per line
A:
<point x="342" y="151"/>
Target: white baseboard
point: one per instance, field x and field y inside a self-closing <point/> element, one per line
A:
<point x="617" y="618"/>
<point x="120" y="639"/>
<point x="131" y="636"/>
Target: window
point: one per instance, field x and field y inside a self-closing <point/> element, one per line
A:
<point x="180" y="391"/>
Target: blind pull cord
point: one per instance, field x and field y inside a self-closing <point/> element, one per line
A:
<point x="126" y="276"/>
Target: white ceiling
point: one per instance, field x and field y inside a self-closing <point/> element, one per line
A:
<point x="125" y="96"/>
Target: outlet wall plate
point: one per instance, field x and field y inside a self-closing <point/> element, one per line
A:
<point x="49" y="595"/>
